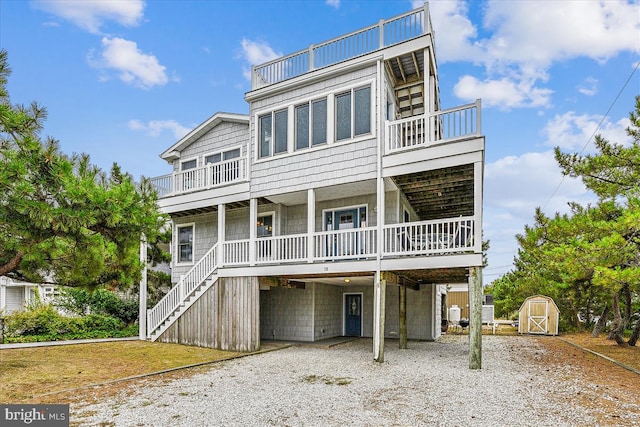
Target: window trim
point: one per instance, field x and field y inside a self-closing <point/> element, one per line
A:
<point x="352" y="105"/>
<point x="367" y="217"/>
<point x="221" y="152"/>
<point x="177" y="243"/>
<point x="272" y="214"/>
<point x="330" y="95"/>
<point x="310" y="123"/>
<point x="188" y="159"/>
<point x="274" y="134"/>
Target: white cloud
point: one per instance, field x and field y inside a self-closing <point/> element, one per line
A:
<point x="131" y="65"/>
<point x="514" y="187"/>
<point x="588" y="87"/>
<point x="454" y="31"/>
<point x="91" y="15"/>
<point x="544" y="32"/>
<point x="505" y="93"/>
<point x="333" y="3"/>
<point x="156" y="127"/>
<point x="254" y="53"/>
<point x="571" y="131"/>
<point x="520" y="40"/>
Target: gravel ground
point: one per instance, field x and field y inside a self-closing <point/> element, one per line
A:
<point x="427" y="384"/>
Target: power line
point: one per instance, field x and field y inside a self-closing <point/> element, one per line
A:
<point x="596" y="130"/>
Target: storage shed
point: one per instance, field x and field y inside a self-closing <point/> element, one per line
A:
<point x="539" y="315"/>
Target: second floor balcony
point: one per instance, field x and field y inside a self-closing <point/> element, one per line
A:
<point x="201" y="178"/>
<point x="417" y="132"/>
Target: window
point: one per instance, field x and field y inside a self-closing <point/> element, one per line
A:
<point x="185" y="243"/>
<point x="225" y="155"/>
<point x="226" y="172"/>
<point x="311" y="124"/>
<point x="353" y="113"/>
<point x="273" y="133"/>
<point x="188" y="164"/>
<point x="265" y="225"/>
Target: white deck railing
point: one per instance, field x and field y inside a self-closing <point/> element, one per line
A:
<point x="186" y="286"/>
<point x="292" y="248"/>
<point x="345" y="244"/>
<point x="444" y="125"/>
<point x="370" y="39"/>
<point x="429" y="237"/>
<point x="201" y="178"/>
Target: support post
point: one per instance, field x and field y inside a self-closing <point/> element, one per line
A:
<point x="380" y="288"/>
<point x="311" y="222"/>
<point x="475" y="317"/>
<point x="221" y="233"/>
<point x="402" y="299"/>
<point x="253" y="231"/>
<point x="142" y="312"/>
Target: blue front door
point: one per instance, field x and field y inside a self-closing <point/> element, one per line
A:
<point x="353" y="315"/>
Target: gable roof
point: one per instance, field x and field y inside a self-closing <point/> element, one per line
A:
<point x="539" y="297"/>
<point x="173" y="152"/>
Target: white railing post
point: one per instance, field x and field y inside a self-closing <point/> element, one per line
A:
<point x="221" y="234"/>
<point x="311" y="58"/>
<point x="182" y="289"/>
<point x="311" y="222"/>
<point x="478" y="117"/>
<point x="381" y="30"/>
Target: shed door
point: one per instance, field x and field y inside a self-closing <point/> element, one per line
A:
<point x="538" y="317"/>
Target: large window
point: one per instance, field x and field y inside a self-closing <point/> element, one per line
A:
<point x="273" y="133"/>
<point x="311" y="124"/>
<point x="353" y="113"/>
<point x="185" y="243"/>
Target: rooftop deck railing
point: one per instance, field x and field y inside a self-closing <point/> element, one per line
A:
<point x="361" y="42"/>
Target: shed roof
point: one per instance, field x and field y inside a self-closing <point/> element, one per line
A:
<point x="539" y="297"/>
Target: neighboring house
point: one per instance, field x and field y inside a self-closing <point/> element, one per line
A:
<point x="346" y="187"/>
<point x="16" y="295"/>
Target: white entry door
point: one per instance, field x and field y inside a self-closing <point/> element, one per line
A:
<point x="538" y="316"/>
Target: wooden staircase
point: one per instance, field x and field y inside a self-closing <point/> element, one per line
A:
<point x="177" y="301"/>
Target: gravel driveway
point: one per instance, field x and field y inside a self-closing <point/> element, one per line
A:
<point x="427" y="384"/>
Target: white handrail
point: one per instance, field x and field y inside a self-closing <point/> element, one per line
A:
<point x="430" y="237"/>
<point x="186" y="286"/>
<point x="385" y="33"/>
<point x="287" y="248"/>
<point x="345" y="244"/>
<point x="426" y="129"/>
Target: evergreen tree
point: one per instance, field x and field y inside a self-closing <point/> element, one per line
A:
<point x="61" y="218"/>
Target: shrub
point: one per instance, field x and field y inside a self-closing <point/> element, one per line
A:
<point x="100" y="301"/>
<point x="44" y="323"/>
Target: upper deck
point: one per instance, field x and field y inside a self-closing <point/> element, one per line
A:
<point x="367" y="40"/>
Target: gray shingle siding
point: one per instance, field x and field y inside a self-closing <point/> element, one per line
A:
<point x="225" y="135"/>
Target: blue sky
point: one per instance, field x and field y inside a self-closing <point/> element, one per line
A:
<point x="124" y="80"/>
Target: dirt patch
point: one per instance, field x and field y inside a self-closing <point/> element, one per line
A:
<point x="613" y="393"/>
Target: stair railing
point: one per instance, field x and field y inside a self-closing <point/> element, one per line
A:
<point x="186" y="286"/>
